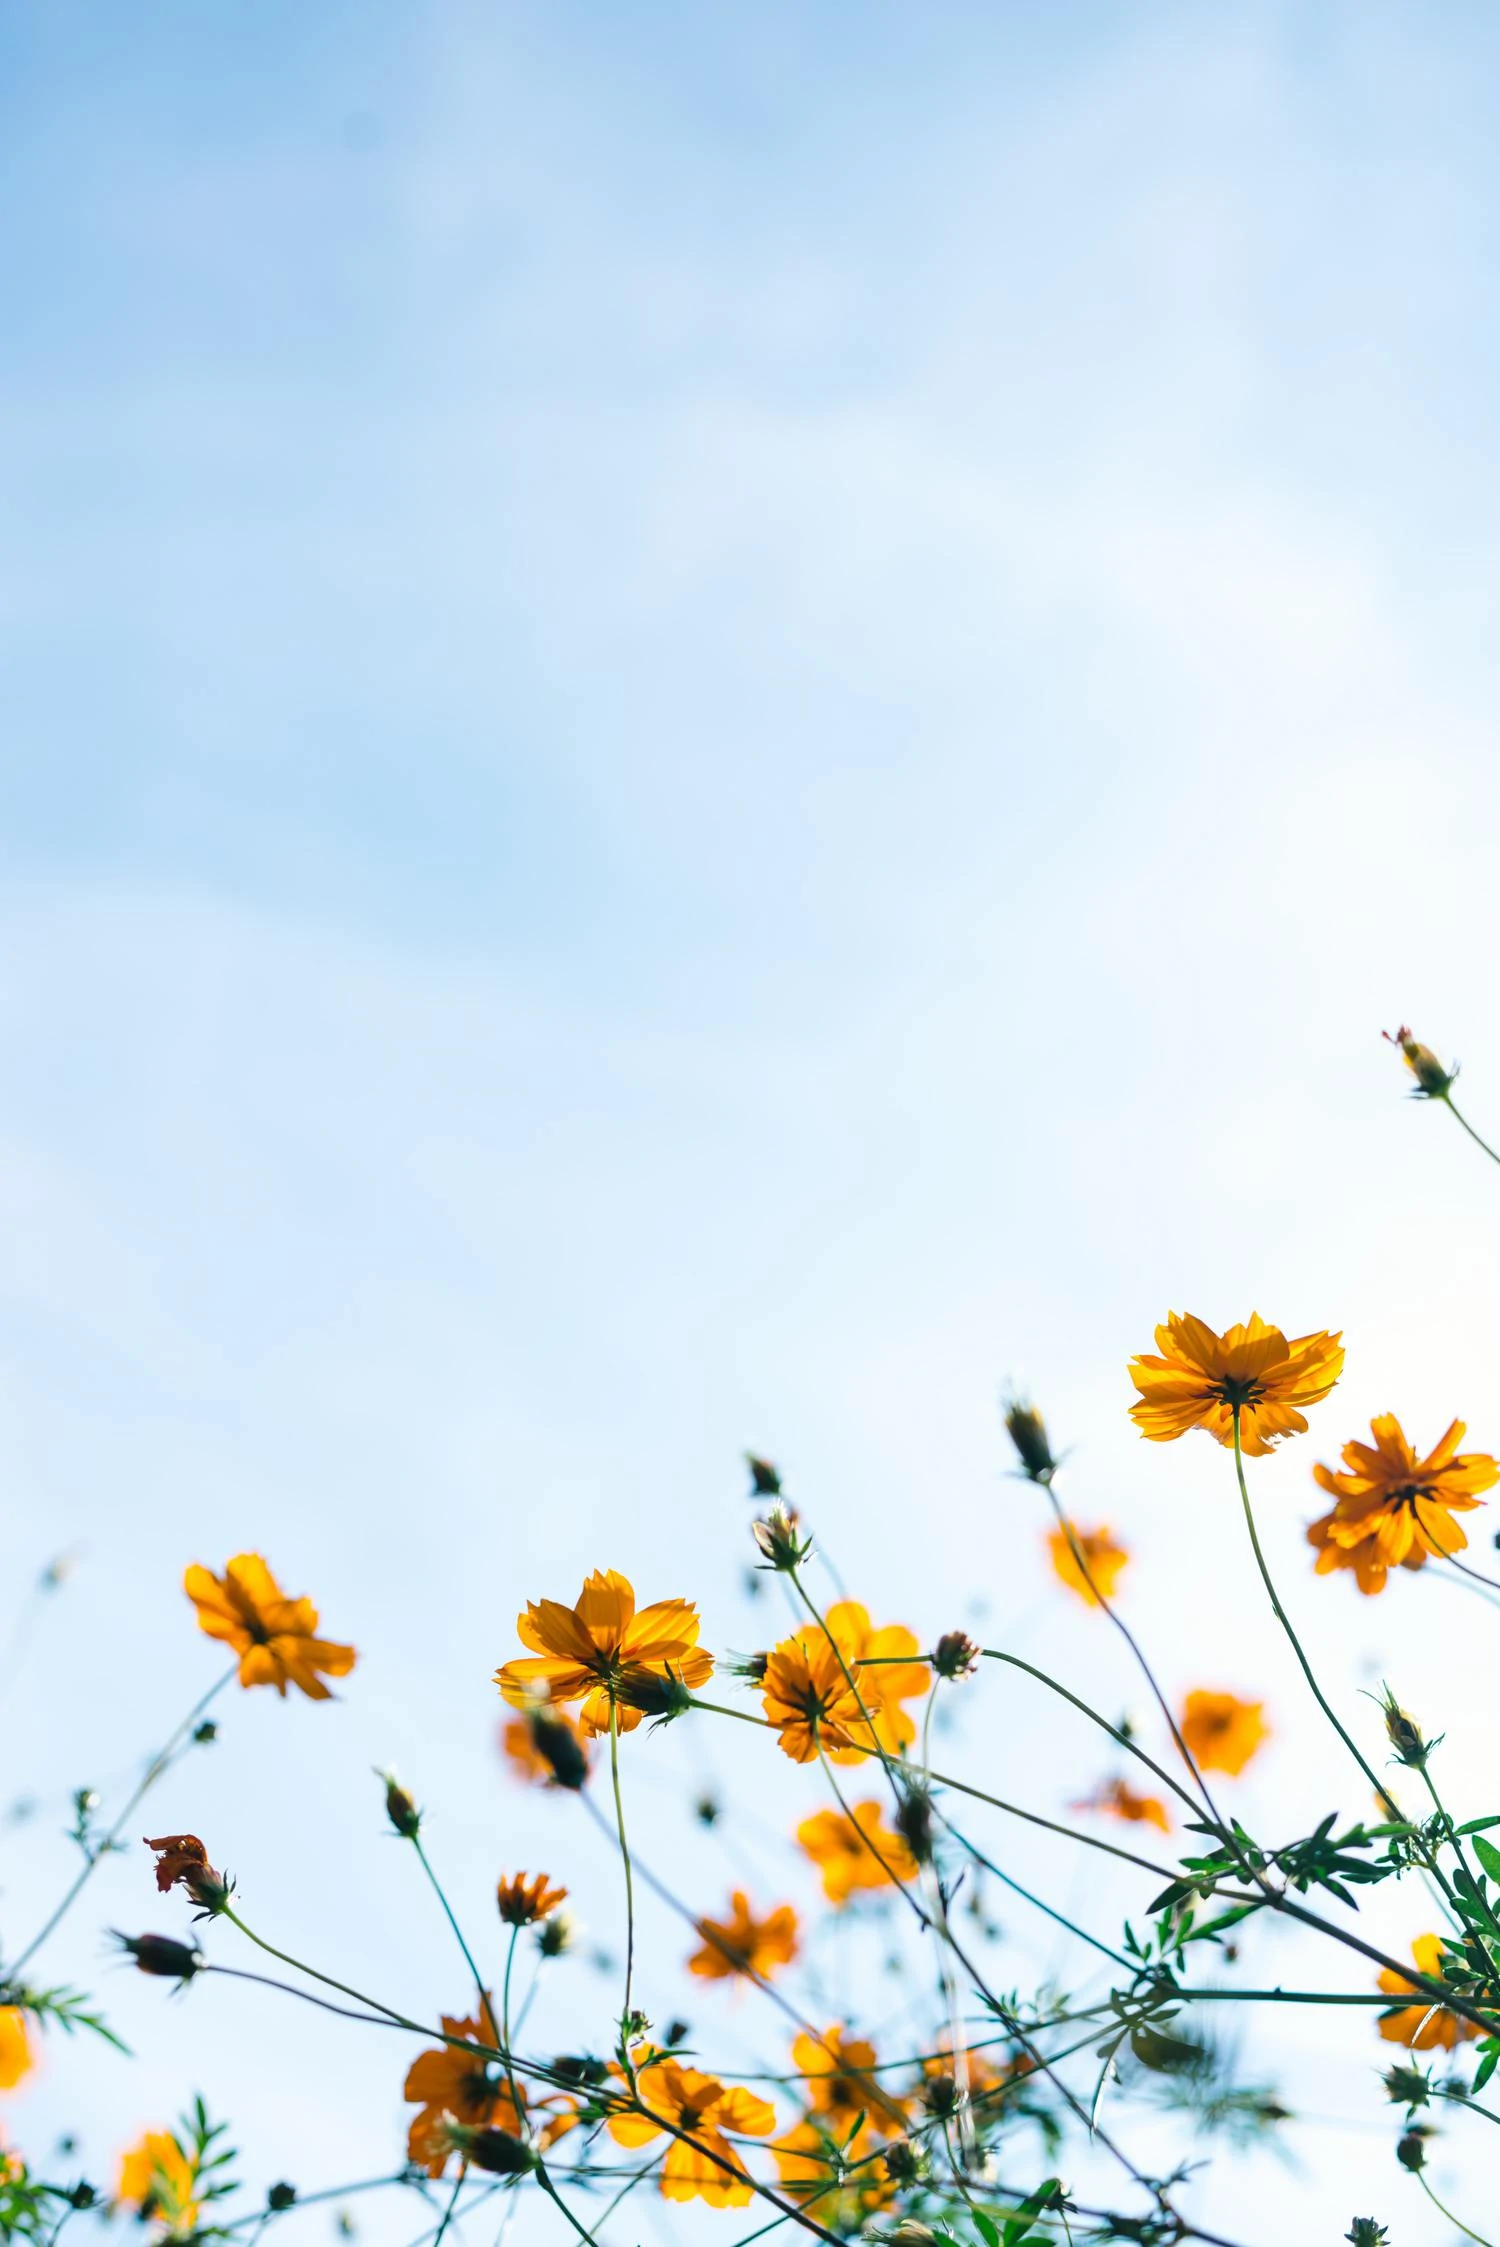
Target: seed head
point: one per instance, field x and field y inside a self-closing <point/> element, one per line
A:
<point x="956" y="1655"/>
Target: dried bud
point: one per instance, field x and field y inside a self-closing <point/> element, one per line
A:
<point x="558" y="1934"/>
<point x="182" y="1861"/>
<point x="776" y="1533"/>
<point x="1028" y="1432"/>
<point x="654" y="1693"/>
<point x="765" y="1482"/>
<point x="905" y="2163"/>
<point x="1406" y="2086"/>
<point x="485" y="2147"/>
<point x="956" y="1655"/>
<point x="399" y="1807"/>
<point x="523" y="1901"/>
<point x="163" y="1955"/>
<point x="940" y="2095"/>
<point x="1434" y="1082"/>
<point x="914" y="1822"/>
<point x="281" y="2197"/>
<point x="560" y="1749"/>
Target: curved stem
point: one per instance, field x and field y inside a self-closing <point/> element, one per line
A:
<point x="995" y="1654"/>
<point x="437" y="1889"/>
<point x="1447" y="1100"/>
<point x="1421" y="2177"/>
<point x="515" y="2089"/>
<point x="614" y="1773"/>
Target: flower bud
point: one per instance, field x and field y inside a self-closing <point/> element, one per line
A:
<point x="1411" y="2149"/>
<point x="940" y="2095"/>
<point x="765" y="1482"/>
<point x="654" y="1693"/>
<point x="1406" y="2086"/>
<point x="560" y="1749"/>
<point x="486" y="2147"/>
<point x="914" y="1822"/>
<point x="1433" y="1080"/>
<point x="83" y="2195"/>
<point x="776" y="1535"/>
<point x="1405" y="1734"/>
<point x="1364" y="2231"/>
<point x="163" y="1955"/>
<point x="1028" y="1432"/>
<point x="955" y="1655"/>
<point x="753" y="1668"/>
<point x="558" y="1934"/>
<point x="905" y="2163"/>
<point x="580" y="2068"/>
<point x="399" y="1807"/>
<point x="280" y="2197"/>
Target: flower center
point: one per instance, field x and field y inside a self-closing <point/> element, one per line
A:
<point x="1235" y="1391"/>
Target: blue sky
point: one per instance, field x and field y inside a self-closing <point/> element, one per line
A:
<point x="718" y="723"/>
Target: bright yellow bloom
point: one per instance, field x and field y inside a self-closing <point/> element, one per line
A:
<point x="444" y="2082"/>
<point x="886" y="1670"/>
<point x="834" y="2173"/>
<point x="157" y="2177"/>
<point x="743" y="1944"/>
<point x="521" y="1900"/>
<point x="1394" y="1508"/>
<point x="274" y="1637"/>
<point x="855" y="1852"/>
<point x="1121" y="1801"/>
<point x="711" y="2169"/>
<point x="807" y="1695"/>
<point x="1222" y="1733"/>
<point x="583" y="1651"/>
<point x="1422" y="2026"/>
<point x="16" y="2058"/>
<point x="1104" y="1559"/>
<point x="1201" y="1376"/>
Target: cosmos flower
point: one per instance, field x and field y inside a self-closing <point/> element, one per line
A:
<point x="856" y="1852"/>
<point x="1119" y="1799"/>
<point x="1222" y="1732"/>
<point x="582" y="1652"/>
<point x="1201" y="1376"/>
<point x="274" y="1637"/>
<point x="1393" y="1508"/>
<point x="1422" y="2026"/>
<point x="16" y="2059"/>
<point x="807" y="1695"/>
<point x="886" y="1669"/>
<point x="712" y="2169"/>
<point x="743" y="1945"/>
<point x="521" y="1900"/>
<point x="1104" y="1561"/>
<point x="158" y="2179"/>
<point x="444" y="2082"/>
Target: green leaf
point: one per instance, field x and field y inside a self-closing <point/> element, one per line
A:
<point x="1477" y="1825"/>
<point x="1489" y="1856"/>
<point x="987" y="2231"/>
<point x="1490" y="2048"/>
<point x="1020" y="2227"/>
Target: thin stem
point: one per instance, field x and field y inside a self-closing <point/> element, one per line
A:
<point x="1447" y="1100"/>
<point x="995" y="1654"/>
<point x="463" y="2171"/>
<point x="1421" y="2177"/>
<point x="892" y="1876"/>
<point x="515" y="2089"/>
<point x="437" y="1889"/>
<point x="1281" y="1615"/>
<point x="153" y="1772"/>
<point x="614" y="1774"/>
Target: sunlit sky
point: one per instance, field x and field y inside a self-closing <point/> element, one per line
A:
<point x="720" y="723"/>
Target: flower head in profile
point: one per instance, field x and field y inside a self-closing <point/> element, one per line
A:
<point x="743" y="1946"/>
<point x="1422" y="2025"/>
<point x="159" y="2180"/>
<point x="1028" y="1432"/>
<point x="581" y="1653"/>
<point x="524" y="1901"/>
<point x="16" y="2059"/>
<point x="1103" y="1562"/>
<point x="546" y="1748"/>
<point x="710" y="2169"/>
<point x="275" y="1637"/>
<point x="1119" y="1799"/>
<point x="446" y="2084"/>
<point x="807" y="1695"/>
<point x="1201" y="1379"/>
<point x="1434" y="1082"/>
<point x="855" y="1853"/>
<point x="1394" y="1509"/>
<point x="182" y="1862"/>
<point x="1221" y="1731"/>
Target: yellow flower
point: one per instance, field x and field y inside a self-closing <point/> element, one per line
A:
<point x="521" y="1900"/>
<point x="837" y="2085"/>
<point x="274" y="1637"/>
<point x="856" y="1852"/>
<point x="836" y="2175"/>
<point x="444" y="2082"/>
<point x="157" y="2178"/>
<point x="1104" y="1559"/>
<point x="1422" y="2026"/>
<point x="16" y="2058"/>
<point x="583" y="1651"/>
<point x="1222" y="1733"/>
<point x="886" y="1670"/>
<point x="1121" y="1801"/>
<point x="1201" y="1376"/>
<point x="711" y="2169"/>
<point x="1393" y="1508"/>
<point x="1434" y="1082"/>
<point x="743" y="1944"/>
<point x="808" y="1697"/>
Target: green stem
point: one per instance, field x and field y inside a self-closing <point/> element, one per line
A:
<point x="614" y="1774"/>
<point x="437" y="1889"/>
<point x="1447" y="1101"/>
<point x="994" y="1654"/>
<point x="515" y="2089"/>
<point x="1447" y="2213"/>
<point x="154" y="1770"/>
<point x="1281" y="1615"/>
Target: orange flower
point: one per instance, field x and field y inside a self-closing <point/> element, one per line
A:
<point x="1103" y="1559"/>
<point x="1423" y="2025"/>
<point x="15" y="2047"/>
<point x="274" y="1637"/>
<point x="886" y="1670"/>
<point x="157" y="2178"/>
<point x="711" y="2169"/>
<point x="743" y="1944"/>
<point x="1115" y="1796"/>
<point x="837" y="2085"/>
<point x="838" y="2175"/>
<point x="521" y="1900"/>
<point x="1201" y="1376"/>
<point x="1222" y="1733"/>
<point x="583" y="1651"/>
<point x="855" y="1852"/>
<point x="182" y="1861"/>
<point x="448" y="2084"/>
<point x="808" y="1697"/>
<point x="525" y="1741"/>
<point x="1393" y="1508"/>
